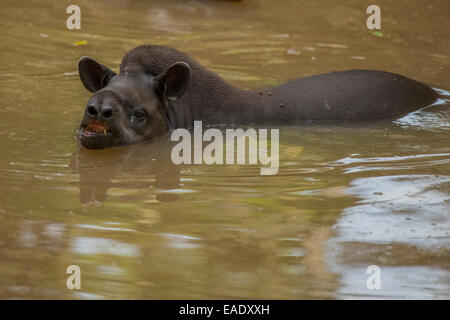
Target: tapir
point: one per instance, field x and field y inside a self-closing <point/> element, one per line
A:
<point x="159" y="89"/>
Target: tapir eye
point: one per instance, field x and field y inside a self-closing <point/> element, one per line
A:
<point x="139" y="115"/>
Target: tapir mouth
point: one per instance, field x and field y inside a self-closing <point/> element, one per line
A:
<point x="95" y="128"/>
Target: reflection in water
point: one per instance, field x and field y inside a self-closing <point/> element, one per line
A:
<point x="139" y="227"/>
<point x="87" y="246"/>
<point x="99" y="171"/>
<point x="401" y="224"/>
<point x="435" y="116"/>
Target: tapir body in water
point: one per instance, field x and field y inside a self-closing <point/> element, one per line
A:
<point x="160" y="89"/>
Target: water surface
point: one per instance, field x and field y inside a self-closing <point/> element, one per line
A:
<point x="345" y="197"/>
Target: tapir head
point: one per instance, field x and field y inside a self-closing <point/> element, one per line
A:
<point x="128" y="107"/>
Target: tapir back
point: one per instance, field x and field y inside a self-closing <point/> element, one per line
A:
<point x="354" y="95"/>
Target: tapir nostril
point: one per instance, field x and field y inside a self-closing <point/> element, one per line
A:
<point x="107" y="112"/>
<point x="92" y="111"/>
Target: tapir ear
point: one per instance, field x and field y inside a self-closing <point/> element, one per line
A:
<point x="94" y="75"/>
<point x="175" y="80"/>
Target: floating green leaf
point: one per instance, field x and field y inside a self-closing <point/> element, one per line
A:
<point x="376" y="33"/>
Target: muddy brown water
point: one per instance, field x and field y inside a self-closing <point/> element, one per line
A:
<point x="345" y="197"/>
